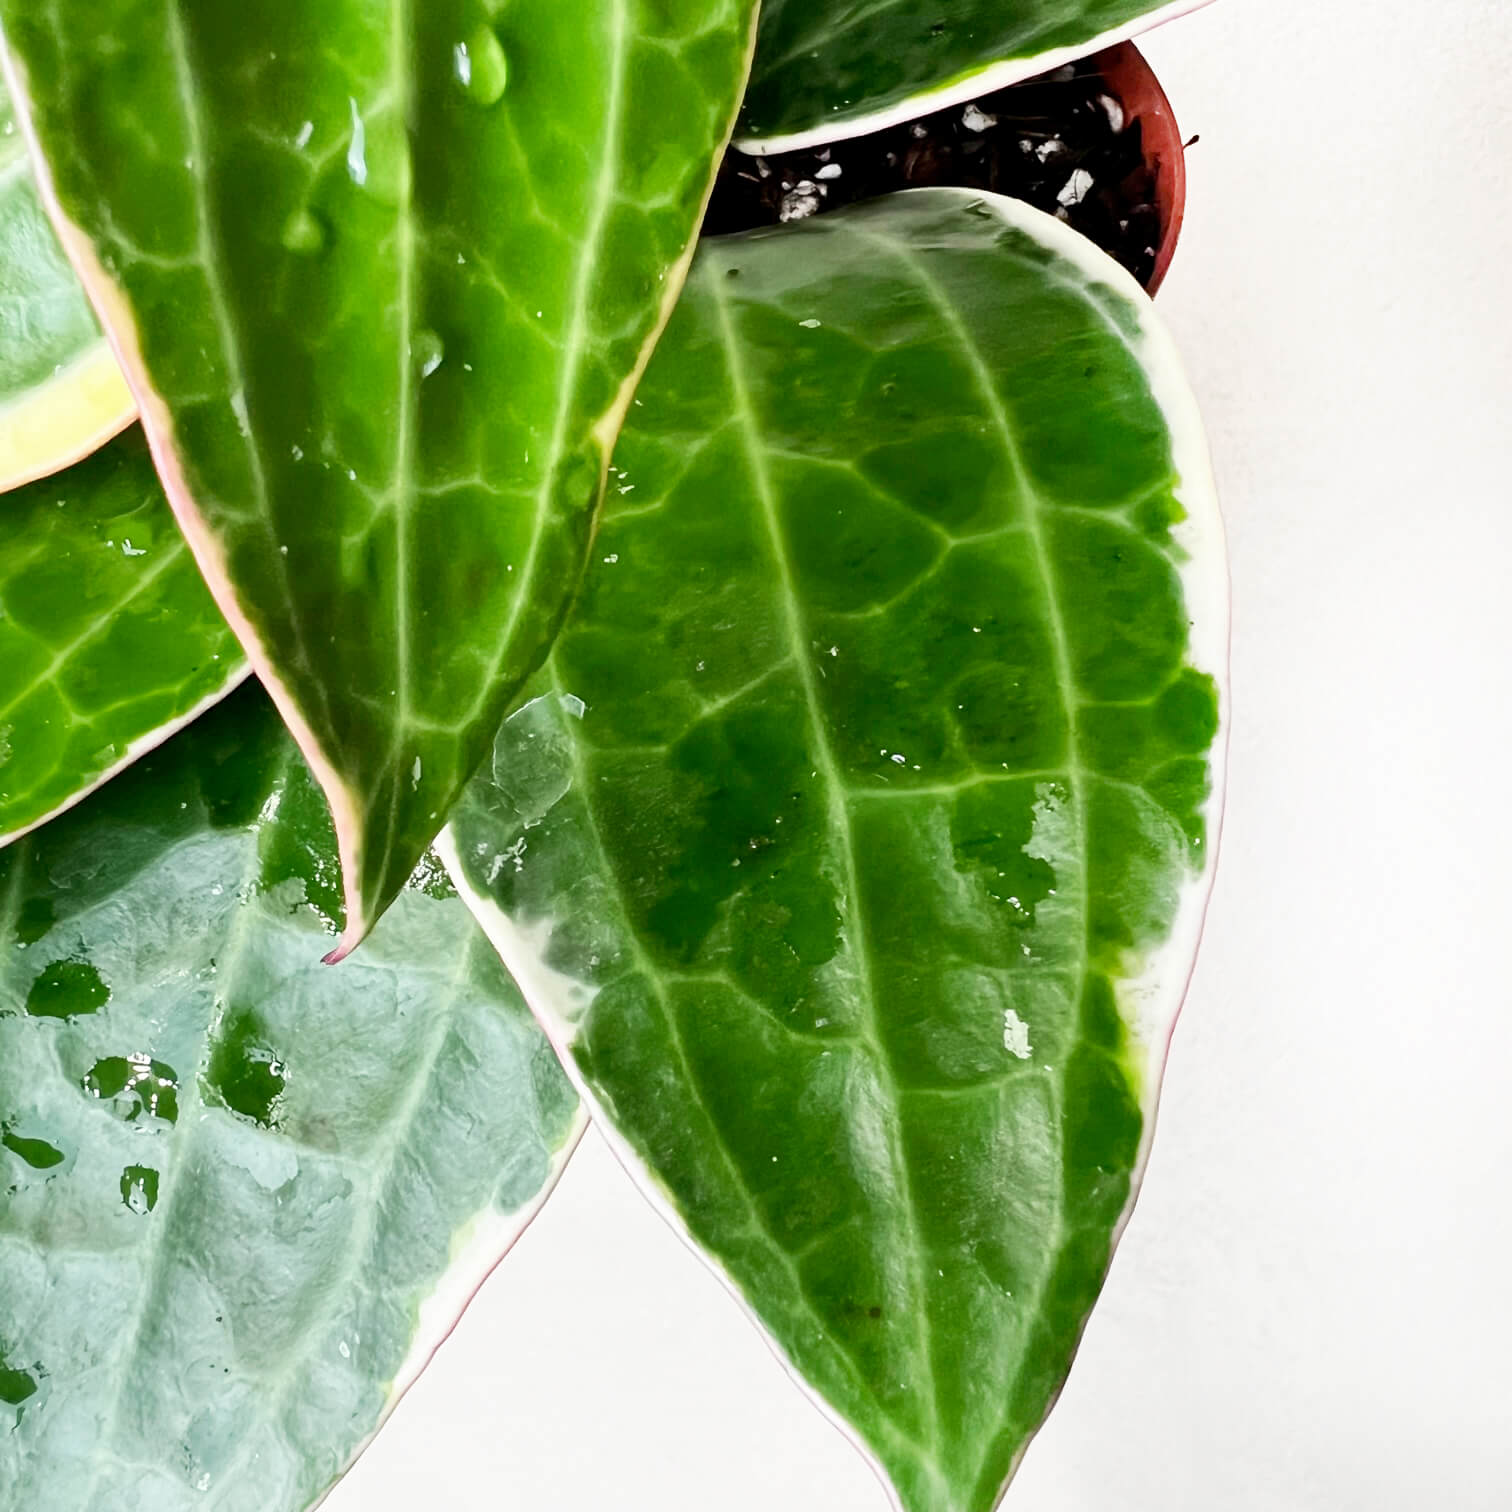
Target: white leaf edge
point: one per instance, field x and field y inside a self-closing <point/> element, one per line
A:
<point x="968" y="86"/>
<point x="478" y="1251"/>
<point x="142" y="746"/>
<point x="64" y="419"/>
<point x="116" y="319"/>
<point x="1151" y="1002"/>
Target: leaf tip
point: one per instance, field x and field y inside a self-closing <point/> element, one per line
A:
<point x="359" y="923"/>
<point x="358" y="927"/>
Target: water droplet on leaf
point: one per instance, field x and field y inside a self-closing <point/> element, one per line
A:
<point x="357" y="168"/>
<point x="35" y="920"/>
<point x="139" y="1189"/>
<point x="67" y="989"/>
<point x="428" y="351"/>
<point x="37" y="1153"/>
<point x="386" y="169"/>
<point x="481" y="67"/>
<point x="245" y="1074"/>
<point x="136" y="1085"/>
<point x="305" y="234"/>
<point x="16" y="1386"/>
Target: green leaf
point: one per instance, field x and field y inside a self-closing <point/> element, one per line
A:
<point x="830" y="69"/>
<point x="853" y="847"/>
<point x="383" y="278"/>
<point x="242" y="1196"/>
<point x="109" y="641"/>
<point x="61" y="393"/>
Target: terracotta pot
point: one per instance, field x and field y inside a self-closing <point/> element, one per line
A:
<point x="1132" y="82"/>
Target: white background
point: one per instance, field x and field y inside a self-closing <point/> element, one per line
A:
<point x="1312" y="1310"/>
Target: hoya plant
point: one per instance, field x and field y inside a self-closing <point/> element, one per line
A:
<point x="763" y="693"/>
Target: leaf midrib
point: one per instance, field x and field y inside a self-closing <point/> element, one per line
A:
<point x="826" y="32"/>
<point x="840" y="822"/>
<point x="19" y="857"/>
<point x="208" y="256"/>
<point x="401" y="83"/>
<point x="1034" y="511"/>
<point x="273" y="1393"/>
<point x="648" y="972"/>
<point x="577" y="330"/>
<point x="157" y="1250"/>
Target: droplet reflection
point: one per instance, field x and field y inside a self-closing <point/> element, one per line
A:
<point x="428" y="351"/>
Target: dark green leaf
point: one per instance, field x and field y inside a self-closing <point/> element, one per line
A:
<point x="383" y="277"/>
<point x="828" y="69"/>
<point x="242" y="1196"/>
<point x="109" y="640"/>
<point x="854" y="846"/>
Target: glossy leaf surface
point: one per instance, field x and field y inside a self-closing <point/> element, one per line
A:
<point x="109" y="640"/>
<point x="383" y="277"/>
<point x="242" y="1196"/>
<point x="829" y="69"/>
<point x="61" y="393"/>
<point x="854" y="846"/>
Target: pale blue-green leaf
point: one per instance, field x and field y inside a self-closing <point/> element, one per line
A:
<point x="242" y="1195"/>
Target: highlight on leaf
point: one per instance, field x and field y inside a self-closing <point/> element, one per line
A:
<point x="61" y="393"/>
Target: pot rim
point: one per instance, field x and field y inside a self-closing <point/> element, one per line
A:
<point x="1134" y="84"/>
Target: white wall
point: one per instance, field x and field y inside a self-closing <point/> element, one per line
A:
<point x="1312" y="1310"/>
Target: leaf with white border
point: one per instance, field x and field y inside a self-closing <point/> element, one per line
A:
<point x="109" y="640"/>
<point x="242" y="1197"/>
<point x="831" y="69"/>
<point x="61" y="393"/>
<point x="382" y="278"/>
<point x="855" y="844"/>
